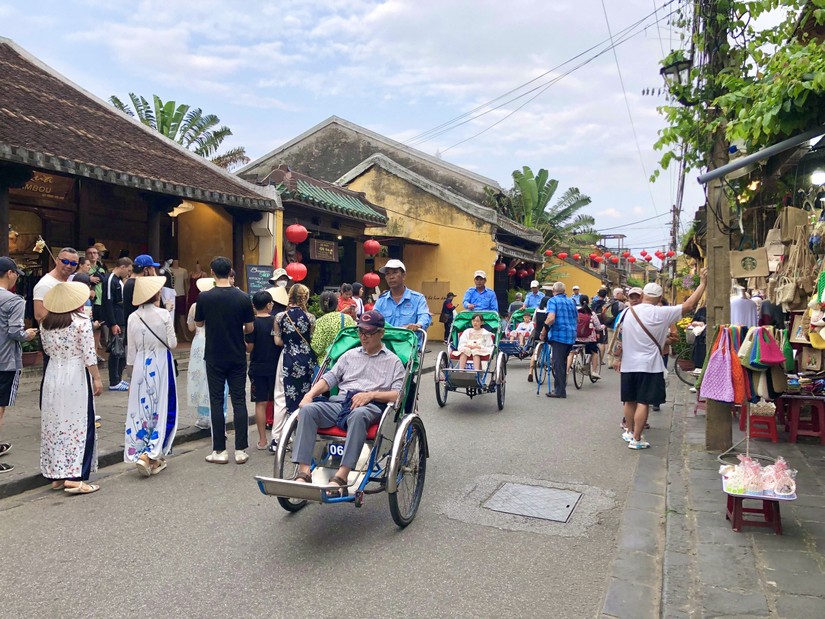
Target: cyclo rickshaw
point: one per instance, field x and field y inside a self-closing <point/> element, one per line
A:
<point x="473" y="381"/>
<point x="393" y="459"/>
<point x="513" y="348"/>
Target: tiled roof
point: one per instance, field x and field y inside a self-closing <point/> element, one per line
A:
<point x="47" y="122"/>
<point x="298" y="187"/>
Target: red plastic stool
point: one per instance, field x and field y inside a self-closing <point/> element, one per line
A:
<point x="815" y="426"/>
<point x="769" y="511"/>
<point x="763" y="426"/>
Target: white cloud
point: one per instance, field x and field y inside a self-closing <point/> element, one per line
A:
<point x="612" y="213"/>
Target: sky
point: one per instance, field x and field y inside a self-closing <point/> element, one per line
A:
<point x="273" y="69"/>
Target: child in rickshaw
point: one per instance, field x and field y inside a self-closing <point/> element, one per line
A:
<point x="523" y="330"/>
<point x="476" y="343"/>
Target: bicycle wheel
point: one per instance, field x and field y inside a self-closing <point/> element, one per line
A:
<point x="409" y="470"/>
<point x="686" y="376"/>
<point x="286" y="469"/>
<point x="540" y="367"/>
<point x="578" y="369"/>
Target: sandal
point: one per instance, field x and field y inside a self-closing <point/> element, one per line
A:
<point x="58" y="485"/>
<point x="83" y="488"/>
<point x="304" y="477"/>
<point x="338" y="492"/>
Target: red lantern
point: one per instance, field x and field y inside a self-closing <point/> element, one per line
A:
<point x="643" y="252"/>
<point x="670" y="253"/>
<point x="563" y="255"/>
<point x="522" y="273"/>
<point x="648" y="257"/>
<point x="594" y="255"/>
<point x="530" y="270"/>
<point x="614" y="259"/>
<point x="577" y="256"/>
<point x="371" y="280"/>
<point x="607" y="254"/>
<point x="296" y="271"/>
<point x="500" y="266"/>
<point x="296" y="233"/>
<point x="511" y="272"/>
<point x="372" y="247"/>
<point x="548" y="253"/>
<point x="626" y="254"/>
<point x="631" y="259"/>
<point x="598" y="259"/>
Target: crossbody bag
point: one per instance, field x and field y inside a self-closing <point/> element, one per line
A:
<point x="644" y="328"/>
<point x="165" y="345"/>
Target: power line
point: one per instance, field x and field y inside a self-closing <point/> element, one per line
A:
<point x="633" y="223"/>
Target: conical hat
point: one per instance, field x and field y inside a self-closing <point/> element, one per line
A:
<point x="66" y="297"/>
<point x="279" y="294"/>
<point x="146" y="288"/>
<point x="205" y="283"/>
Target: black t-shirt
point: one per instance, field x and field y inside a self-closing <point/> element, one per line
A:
<point x="128" y="295"/>
<point x="263" y="360"/>
<point x="225" y="310"/>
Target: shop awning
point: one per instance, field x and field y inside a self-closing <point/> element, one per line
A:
<point x="511" y="251"/>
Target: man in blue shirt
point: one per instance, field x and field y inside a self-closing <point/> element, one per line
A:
<point x="576" y="296"/>
<point x="405" y="308"/>
<point x="480" y="297"/>
<point x="533" y="297"/>
<point x="560" y="329"/>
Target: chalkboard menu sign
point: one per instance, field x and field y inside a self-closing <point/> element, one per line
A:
<point x="257" y="277"/>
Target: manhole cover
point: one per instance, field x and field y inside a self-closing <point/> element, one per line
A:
<point x="534" y="501"/>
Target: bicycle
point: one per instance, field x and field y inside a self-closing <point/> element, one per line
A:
<point x="542" y="366"/>
<point x="581" y="365"/>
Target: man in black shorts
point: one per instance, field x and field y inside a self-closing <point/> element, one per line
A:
<point x="12" y="332"/>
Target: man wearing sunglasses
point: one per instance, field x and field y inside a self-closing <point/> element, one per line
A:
<point x="66" y="264"/>
<point x="368" y="378"/>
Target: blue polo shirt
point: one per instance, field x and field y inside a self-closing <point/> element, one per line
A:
<point x="563" y="329"/>
<point x="533" y="299"/>
<point x="484" y="300"/>
<point x="411" y="309"/>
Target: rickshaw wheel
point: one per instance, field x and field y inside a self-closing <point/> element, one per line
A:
<point x="409" y="470"/>
<point x="502" y="381"/>
<point x="578" y="370"/>
<point x="285" y="468"/>
<point x="441" y="380"/>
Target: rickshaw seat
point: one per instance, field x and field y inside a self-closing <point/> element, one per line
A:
<point x="454" y="354"/>
<point x="336" y="431"/>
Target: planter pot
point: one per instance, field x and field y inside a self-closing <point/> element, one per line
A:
<point x="686" y="365"/>
<point x="32" y="358"/>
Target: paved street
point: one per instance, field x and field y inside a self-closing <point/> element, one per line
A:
<point x="201" y="541"/>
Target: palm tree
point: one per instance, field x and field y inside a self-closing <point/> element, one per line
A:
<point x="187" y="126"/>
<point x="528" y="203"/>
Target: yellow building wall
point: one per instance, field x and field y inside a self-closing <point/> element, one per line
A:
<point x="205" y="232"/>
<point x="572" y="275"/>
<point x="461" y="243"/>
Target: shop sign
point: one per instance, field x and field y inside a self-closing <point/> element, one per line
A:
<point x="323" y="250"/>
<point x="257" y="277"/>
<point x="47" y="186"/>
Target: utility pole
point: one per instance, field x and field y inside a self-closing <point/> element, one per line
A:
<point x="718" y="430"/>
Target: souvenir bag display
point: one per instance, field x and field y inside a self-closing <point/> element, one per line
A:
<point x="816" y="240"/>
<point x="746" y="349"/>
<point x="718" y="379"/>
<point x="774" y="247"/>
<point x="737" y="373"/>
<point x="789" y="219"/>
<point x="765" y="351"/>
<point x="787" y="350"/>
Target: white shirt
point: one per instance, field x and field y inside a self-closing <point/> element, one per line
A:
<point x="639" y="353"/>
<point x="46" y="283"/>
<point x="743" y="312"/>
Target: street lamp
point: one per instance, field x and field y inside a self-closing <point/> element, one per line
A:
<point x="677" y="79"/>
<point x="818" y="177"/>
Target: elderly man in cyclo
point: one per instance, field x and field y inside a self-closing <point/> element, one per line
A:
<point x="368" y="378"/>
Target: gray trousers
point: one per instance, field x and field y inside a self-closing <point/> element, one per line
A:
<point x="325" y="414"/>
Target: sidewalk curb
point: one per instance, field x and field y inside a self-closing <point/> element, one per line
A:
<point x="187" y="435"/>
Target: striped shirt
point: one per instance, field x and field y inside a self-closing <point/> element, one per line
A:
<point x="357" y="370"/>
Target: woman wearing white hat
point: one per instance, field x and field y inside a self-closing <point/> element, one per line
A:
<point x="67" y="418"/>
<point x="196" y="385"/>
<point x="152" y="416"/>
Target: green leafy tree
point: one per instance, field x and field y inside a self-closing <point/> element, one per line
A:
<point x="187" y="126"/>
<point x="772" y="87"/>
<point x="530" y="203"/>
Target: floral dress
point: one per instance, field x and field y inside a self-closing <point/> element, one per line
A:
<point x="68" y="442"/>
<point x="298" y="360"/>
<point x="152" y="413"/>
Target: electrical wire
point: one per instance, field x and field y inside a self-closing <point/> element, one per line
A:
<point x="633" y="223"/>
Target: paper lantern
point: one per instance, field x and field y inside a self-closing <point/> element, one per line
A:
<point x="511" y="272"/>
<point x="607" y="254"/>
<point x="648" y="257"/>
<point x="296" y="233"/>
<point x="522" y="273"/>
<point x="372" y="247"/>
<point x="296" y="271"/>
<point x="643" y="252"/>
<point x="598" y="259"/>
<point x="577" y="256"/>
<point x="548" y="253"/>
<point x="594" y="255"/>
<point x="563" y="255"/>
<point x="626" y="254"/>
<point x="530" y="271"/>
<point x="631" y="259"/>
<point x="371" y="280"/>
<point x="500" y="266"/>
<point x="614" y="259"/>
<point x="670" y="253"/>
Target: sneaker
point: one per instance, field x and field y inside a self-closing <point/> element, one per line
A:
<point x="125" y="382"/>
<point x="642" y="444"/>
<point x="692" y="389"/>
<point x="241" y="457"/>
<point x="627" y="436"/>
<point x="218" y="457"/>
<point x="121" y="386"/>
<point x="5" y="448"/>
<point x="273" y="447"/>
<point x="202" y="423"/>
<point x="5" y="467"/>
<point x="623" y="424"/>
<point x="657" y="408"/>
